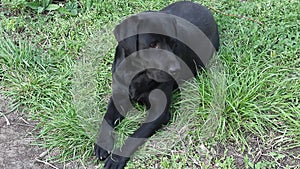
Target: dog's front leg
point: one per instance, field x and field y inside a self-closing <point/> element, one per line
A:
<point x="105" y="140"/>
<point x="158" y="114"/>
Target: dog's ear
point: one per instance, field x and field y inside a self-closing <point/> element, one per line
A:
<point x="126" y="33"/>
<point x="119" y="57"/>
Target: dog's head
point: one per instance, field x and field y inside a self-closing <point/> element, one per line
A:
<point x="133" y="36"/>
<point x="164" y="65"/>
<point x="165" y="33"/>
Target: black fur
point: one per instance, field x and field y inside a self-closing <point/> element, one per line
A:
<point x="150" y="79"/>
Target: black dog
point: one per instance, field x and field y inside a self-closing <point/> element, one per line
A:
<point x="154" y="70"/>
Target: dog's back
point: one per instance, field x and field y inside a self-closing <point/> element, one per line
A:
<point x="198" y="15"/>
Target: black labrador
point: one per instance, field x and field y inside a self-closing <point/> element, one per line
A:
<point x="153" y="70"/>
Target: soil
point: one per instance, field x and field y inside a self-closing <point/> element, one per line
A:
<point x="17" y="139"/>
<point x="16" y="149"/>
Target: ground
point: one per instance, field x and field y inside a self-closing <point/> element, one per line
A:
<point x="17" y="135"/>
<point x="18" y="149"/>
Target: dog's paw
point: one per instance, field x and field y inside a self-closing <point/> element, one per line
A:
<point x="100" y="153"/>
<point x="116" y="162"/>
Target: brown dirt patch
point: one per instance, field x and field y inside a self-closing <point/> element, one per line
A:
<point x="16" y="142"/>
<point x="17" y="138"/>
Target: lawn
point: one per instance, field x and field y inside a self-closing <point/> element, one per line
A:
<point x="243" y="112"/>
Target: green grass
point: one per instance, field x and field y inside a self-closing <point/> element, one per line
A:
<point x="252" y="92"/>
